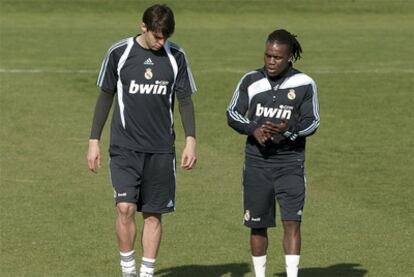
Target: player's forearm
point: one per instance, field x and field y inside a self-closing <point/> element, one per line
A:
<point x="308" y="121"/>
<point x="186" y="108"/>
<point x="240" y="124"/>
<point x="304" y="128"/>
<point x="308" y="127"/>
<point x="102" y="108"/>
<point x="190" y="142"/>
<point x="93" y="143"/>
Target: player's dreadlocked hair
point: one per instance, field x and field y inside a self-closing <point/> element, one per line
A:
<point x="282" y="36"/>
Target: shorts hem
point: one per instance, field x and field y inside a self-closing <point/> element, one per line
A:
<point x="260" y="226"/>
<point x="291" y="219"/>
<point x="126" y="201"/>
<point x="157" y="212"/>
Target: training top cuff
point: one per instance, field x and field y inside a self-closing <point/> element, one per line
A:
<point x="251" y="127"/>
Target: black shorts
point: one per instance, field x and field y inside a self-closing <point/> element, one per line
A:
<point x="263" y="185"/>
<point x="146" y="179"/>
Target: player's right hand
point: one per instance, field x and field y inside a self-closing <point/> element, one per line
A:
<point x="261" y="136"/>
<point x="94" y="156"/>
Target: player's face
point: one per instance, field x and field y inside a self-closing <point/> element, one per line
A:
<point x="153" y="40"/>
<point x="276" y="58"/>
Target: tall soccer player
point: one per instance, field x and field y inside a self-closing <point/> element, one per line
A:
<point x="145" y="74"/>
<point x="277" y="108"/>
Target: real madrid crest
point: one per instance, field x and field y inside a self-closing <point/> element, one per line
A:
<point x="291" y="94"/>
<point x="148" y="74"/>
<point x="247" y="215"/>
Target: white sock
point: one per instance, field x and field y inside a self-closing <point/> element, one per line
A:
<point x="128" y="262"/>
<point x="259" y="263"/>
<point x="147" y="267"/>
<point x="292" y="264"/>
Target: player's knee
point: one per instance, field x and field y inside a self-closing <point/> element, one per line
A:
<point x="126" y="210"/>
<point x="152" y="219"/>
<point x="291" y="227"/>
<point x="258" y="232"/>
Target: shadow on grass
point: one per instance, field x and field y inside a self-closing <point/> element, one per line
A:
<point x="337" y="270"/>
<point x="235" y="270"/>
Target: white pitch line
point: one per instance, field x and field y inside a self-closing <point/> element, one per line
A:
<point x="356" y="71"/>
<point x="220" y="70"/>
<point x="41" y="71"/>
<point x="322" y="71"/>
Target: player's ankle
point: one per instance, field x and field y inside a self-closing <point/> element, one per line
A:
<point x="292" y="265"/>
<point x="259" y="263"/>
<point x="147" y="267"/>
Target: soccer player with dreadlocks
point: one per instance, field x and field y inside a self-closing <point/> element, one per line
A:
<point x="277" y="108"/>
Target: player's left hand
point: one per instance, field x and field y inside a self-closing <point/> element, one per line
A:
<point x="273" y="128"/>
<point x="188" y="158"/>
<point x="94" y="156"/>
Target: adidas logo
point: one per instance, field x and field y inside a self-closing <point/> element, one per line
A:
<point x="170" y="204"/>
<point x="148" y="62"/>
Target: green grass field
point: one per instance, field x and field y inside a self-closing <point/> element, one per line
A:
<point x="57" y="218"/>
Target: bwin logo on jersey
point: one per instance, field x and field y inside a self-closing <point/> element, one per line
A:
<point x="147" y="88"/>
<point x="283" y="111"/>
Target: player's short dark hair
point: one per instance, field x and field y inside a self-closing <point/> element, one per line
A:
<point x="159" y="18"/>
<point x="281" y="36"/>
